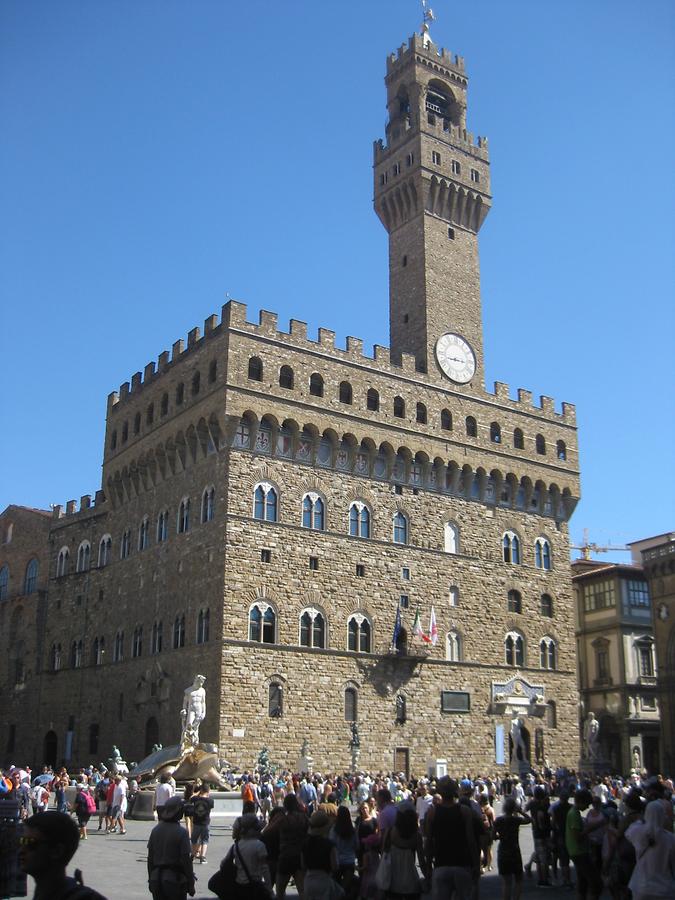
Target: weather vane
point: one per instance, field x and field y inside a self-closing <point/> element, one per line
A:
<point x="427" y="17"/>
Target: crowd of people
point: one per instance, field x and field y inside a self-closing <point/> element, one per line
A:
<point x="385" y="836"/>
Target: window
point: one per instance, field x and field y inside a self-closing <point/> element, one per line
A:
<point x="98" y="651"/>
<point x="55" y="657"/>
<point x="208" y="504"/>
<point x="399" y="407"/>
<point x="137" y="642"/>
<point x="183" y="524"/>
<point x="372" y="400"/>
<point x="262" y="624"/>
<point x="396" y="169"/>
<point x="203" y="624"/>
<point x="451" y="234"/>
<point x="551" y="714"/>
<point x="266" y="555"/>
<point x="451" y="537"/>
<point x="137" y="423"/>
<point x="314" y="563"/>
<point x="286" y="377"/>
<point x="76" y="655"/>
<point x="495" y="433"/>
<point x="162" y="526"/>
<point x="514" y="601"/>
<point x="275" y="706"/>
<point x="602" y="669"/>
<point x="125" y="546"/>
<point x="255" y="369"/>
<point x="401" y="713"/>
<point x="561" y="450"/>
<point x="405" y="573"/>
<point x="358" y="634"/>
<point x="453" y="595"/>
<point x="547" y="653"/>
<point x="471" y="428"/>
<point x="316" y="385"/>
<point x="144" y="534"/>
<point x="400" y="528"/>
<point x="351" y="704"/>
<point x="265" y="502"/>
<point x="360" y="570"/>
<point x="518" y="439"/>
<point x="638" y="593"/>
<point x="196" y="384"/>
<point x="645" y="653"/>
<point x="156" y="638"/>
<point x="436" y="157"/>
<point x="150" y="414"/>
<point x="540" y="444"/>
<point x="312" y="629"/>
<point x="164" y="406"/>
<point x="383" y="178"/>
<point x="31" y="579"/>
<point x="599" y="595"/>
<point x="546" y="606"/>
<point x="404" y="261"/>
<point x="4" y="582"/>
<point x="83" y="557"/>
<point x="345" y="392"/>
<point x="475" y="176"/>
<point x="410" y="158"/>
<point x="514" y="649"/>
<point x="180" y="393"/>
<point x="456" y="167"/>
<point x="118" y="647"/>
<point x="511" y="548"/>
<point x="62" y="562"/>
<point x="453" y="647"/>
<point x="213" y="371"/>
<point x="446" y="420"/>
<point x="542" y="554"/>
<point x="125" y="432"/>
<point x="313" y="512"/>
<point x="113" y="439"/>
<point x="421" y="414"/>
<point x="359" y="520"/>
<point x="178" y="632"/>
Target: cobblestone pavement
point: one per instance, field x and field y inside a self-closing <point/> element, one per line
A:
<point x="115" y="865"/>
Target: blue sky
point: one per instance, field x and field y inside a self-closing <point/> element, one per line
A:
<point x="158" y="156"/>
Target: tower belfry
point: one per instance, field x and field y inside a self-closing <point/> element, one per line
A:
<point x="432" y="194"/>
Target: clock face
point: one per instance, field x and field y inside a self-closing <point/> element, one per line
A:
<point x="456" y="358"/>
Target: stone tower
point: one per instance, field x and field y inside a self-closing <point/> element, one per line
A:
<point x="432" y="194"/>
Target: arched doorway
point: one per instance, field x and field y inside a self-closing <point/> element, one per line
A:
<point x="49" y="749"/>
<point x="151" y="734"/>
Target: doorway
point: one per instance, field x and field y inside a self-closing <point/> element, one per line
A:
<point x="402" y="761"/>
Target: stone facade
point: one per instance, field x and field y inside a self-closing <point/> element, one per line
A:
<point x="439" y="472"/>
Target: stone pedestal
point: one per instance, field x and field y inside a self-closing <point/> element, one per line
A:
<point x="144" y="806"/>
<point x="596" y="766"/>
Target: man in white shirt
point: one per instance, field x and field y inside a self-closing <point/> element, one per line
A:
<point x="423" y="802"/>
<point x="163" y="792"/>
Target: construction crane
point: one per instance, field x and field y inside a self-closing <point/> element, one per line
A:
<point x="587" y="548"/>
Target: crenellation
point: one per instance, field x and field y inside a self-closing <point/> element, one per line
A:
<point x="382" y="355"/>
<point x="354" y="346"/>
<point x="148" y="372"/>
<point x="327" y="338"/>
<point x="194" y="336"/>
<point x="267" y="322"/>
<point x="99" y="497"/>
<point x="547" y="405"/>
<point x="113" y="399"/>
<point x="85" y="502"/>
<point x="408" y="364"/>
<point x="124" y="390"/>
<point x="525" y="397"/>
<point x="233" y="314"/>
<point x="210" y="324"/>
<point x="162" y="361"/>
<point x="501" y="391"/>
<point x="177" y="349"/>
<point x="71" y="507"/>
<point x="57" y="511"/>
<point x="298" y="329"/>
<point x="135" y="381"/>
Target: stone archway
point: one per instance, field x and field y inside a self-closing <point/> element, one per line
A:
<point x="49" y="749"/>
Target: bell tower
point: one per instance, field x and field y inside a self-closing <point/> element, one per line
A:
<point x="432" y="194"/>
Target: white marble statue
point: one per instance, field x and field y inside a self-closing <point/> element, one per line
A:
<point x="193" y="712"/>
<point x="591" y="732"/>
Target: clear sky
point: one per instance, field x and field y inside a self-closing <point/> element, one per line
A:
<point x="157" y="156"/>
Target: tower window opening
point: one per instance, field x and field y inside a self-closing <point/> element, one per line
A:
<point x="399" y="407"/>
<point x="435" y="156"/>
<point x="456" y="167"/>
<point x="475" y="176"/>
<point x="383" y="178"/>
<point x="406" y="319"/>
<point x="397" y="169"/>
<point x="409" y="160"/>
<point x="404" y="261"/>
<point x="451" y="234"/>
<point x="316" y="385"/>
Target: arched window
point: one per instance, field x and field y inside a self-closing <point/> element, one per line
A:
<point x="255" y="369"/>
<point x="401" y="710"/>
<point x="286" y="377"/>
<point x="372" y="400"/>
<point x="98" y="651"/>
<point x="213" y="371"/>
<point x="83" y="557"/>
<point x="125" y="544"/>
<point x="275" y="700"/>
<point x="265" y="502"/>
<point x="547" y="653"/>
<point x="421" y="414"/>
<point x="316" y="385"/>
<point x="62" y="562"/>
<point x="31" y="578"/>
<point x="358" y="634"/>
<point x="137" y="642"/>
<point x="542" y="553"/>
<point x="262" y="622"/>
<point x="183" y="524"/>
<point x="540" y="444"/>
<point x="144" y="533"/>
<point x="180" y="393"/>
<point x="55" y="657"/>
<point x="551" y="714"/>
<point x="446" y="420"/>
<point x="453" y="647"/>
<point x="156" y="638"/>
<point x="514" y="649"/>
<point x="399" y="407"/>
<point x="196" y="383"/>
<point x="451" y="537"/>
<point x="518" y="439"/>
<point x="137" y="423"/>
<point x="164" y="405"/>
<point x="359" y="520"/>
<point x="178" y="632"/>
<point x="162" y="526"/>
<point x="453" y="595"/>
<point x="471" y="427"/>
<point x="546" y="606"/>
<point x="400" y="528"/>
<point x="514" y="601"/>
<point x="312" y="629"/>
<point x="561" y="450"/>
<point x="203" y="625"/>
<point x="4" y="582"/>
<point x="208" y="504"/>
<point x="495" y="433"/>
<point x="351" y="704"/>
<point x="76" y="655"/>
<point x="511" y="548"/>
<point x="345" y="392"/>
<point x="118" y="647"/>
<point x="313" y="512"/>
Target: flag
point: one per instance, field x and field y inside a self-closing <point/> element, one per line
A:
<point x="417" y="625"/>
<point x="433" y="629"/>
<point x="397" y="628"/>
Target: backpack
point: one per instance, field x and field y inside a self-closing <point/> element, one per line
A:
<point x="264" y="791"/>
<point x="90" y="802"/>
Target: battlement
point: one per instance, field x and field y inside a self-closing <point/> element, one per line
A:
<point x="86" y="506"/>
<point x="476" y="146"/>
<point x="427" y="51"/>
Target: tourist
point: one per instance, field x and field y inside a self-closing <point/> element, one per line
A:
<point x="560" y="855"/>
<point x="202" y="805"/>
<point x="405" y="846"/>
<point x="292" y="832"/>
<point x="271" y="839"/>
<point x="450" y="844"/>
<point x="119" y="807"/>
<point x="320" y="861"/>
<point x="538" y="809"/>
<point x="84" y="806"/>
<point x="170" y="873"/>
<point x="487" y="837"/>
<point x="654" y="873"/>
<point x="163" y="792"/>
<point x="344" y="837"/>
<point x="576" y="839"/>
<point x="509" y="860"/>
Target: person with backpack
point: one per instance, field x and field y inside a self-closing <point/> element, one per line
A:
<point x="265" y="796"/>
<point x="202" y="805"/>
<point x="85" y="807"/>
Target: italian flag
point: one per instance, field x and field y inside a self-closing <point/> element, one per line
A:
<point x="417" y="628"/>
